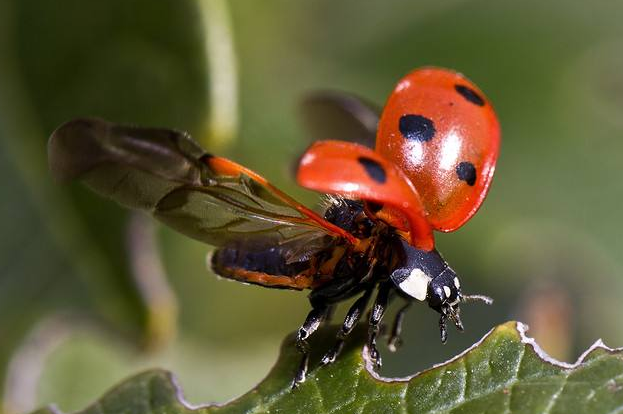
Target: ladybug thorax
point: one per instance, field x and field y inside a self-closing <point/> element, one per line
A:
<point x="426" y="276"/>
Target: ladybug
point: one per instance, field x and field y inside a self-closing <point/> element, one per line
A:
<point x="425" y="165"/>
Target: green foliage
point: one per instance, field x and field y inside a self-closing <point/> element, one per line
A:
<point x="548" y="230"/>
<point x="504" y="373"/>
<point x="100" y="59"/>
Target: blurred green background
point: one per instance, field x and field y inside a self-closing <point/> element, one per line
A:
<point x="81" y="307"/>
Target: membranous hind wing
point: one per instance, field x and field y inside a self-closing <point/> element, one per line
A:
<point x="335" y="115"/>
<point x="211" y="199"/>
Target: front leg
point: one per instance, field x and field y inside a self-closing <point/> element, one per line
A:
<point x="376" y="315"/>
<point x="395" y="340"/>
<point x="443" y="332"/>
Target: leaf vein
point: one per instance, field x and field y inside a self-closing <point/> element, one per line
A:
<point x="554" y="399"/>
<point x="509" y="393"/>
<point x="320" y="396"/>
<point x="465" y="379"/>
<point x="403" y="398"/>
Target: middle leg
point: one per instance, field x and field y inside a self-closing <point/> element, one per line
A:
<point x="352" y="317"/>
<point x="376" y="315"/>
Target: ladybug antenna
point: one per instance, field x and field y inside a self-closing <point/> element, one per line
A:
<point x="482" y="298"/>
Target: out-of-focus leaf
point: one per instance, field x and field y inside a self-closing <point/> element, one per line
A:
<point x="223" y="67"/>
<point x="504" y="372"/>
<point x="63" y="251"/>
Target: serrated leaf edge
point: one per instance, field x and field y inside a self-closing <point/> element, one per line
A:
<point x="518" y="327"/>
<point x="525" y="339"/>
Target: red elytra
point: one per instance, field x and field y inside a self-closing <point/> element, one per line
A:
<point x="442" y="133"/>
<point x="356" y="171"/>
<point x="463" y="131"/>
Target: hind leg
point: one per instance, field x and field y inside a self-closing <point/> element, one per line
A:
<point x="322" y="300"/>
<point x="315" y="317"/>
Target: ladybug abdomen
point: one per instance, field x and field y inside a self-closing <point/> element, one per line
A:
<point x="444" y="134"/>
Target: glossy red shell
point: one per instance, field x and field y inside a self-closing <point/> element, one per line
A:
<point x="444" y="134"/>
<point x="358" y="172"/>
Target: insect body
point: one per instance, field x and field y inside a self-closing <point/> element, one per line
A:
<point x="436" y="147"/>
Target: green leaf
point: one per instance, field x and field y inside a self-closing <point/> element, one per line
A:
<point x="505" y="372"/>
<point x="68" y="253"/>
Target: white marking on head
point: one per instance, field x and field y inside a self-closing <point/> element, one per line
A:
<point x="416" y="284"/>
<point x="447" y="291"/>
<point x="457" y="283"/>
<point x="209" y="261"/>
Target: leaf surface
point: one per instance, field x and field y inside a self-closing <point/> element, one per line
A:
<point x="505" y="372"/>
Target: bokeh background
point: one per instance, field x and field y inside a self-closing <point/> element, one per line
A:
<point x="90" y="293"/>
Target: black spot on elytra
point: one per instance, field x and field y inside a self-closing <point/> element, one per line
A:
<point x="466" y="172"/>
<point x="470" y="95"/>
<point x="374" y="169"/>
<point x="206" y="157"/>
<point x="416" y="127"/>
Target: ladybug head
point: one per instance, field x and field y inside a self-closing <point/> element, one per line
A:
<point x="444" y="296"/>
<point x="426" y="276"/>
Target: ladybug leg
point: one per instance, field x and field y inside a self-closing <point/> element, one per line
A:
<point x="352" y="317"/>
<point x="443" y="332"/>
<point x="329" y="316"/>
<point x="315" y="317"/>
<point x="395" y="341"/>
<point x="376" y="315"/>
